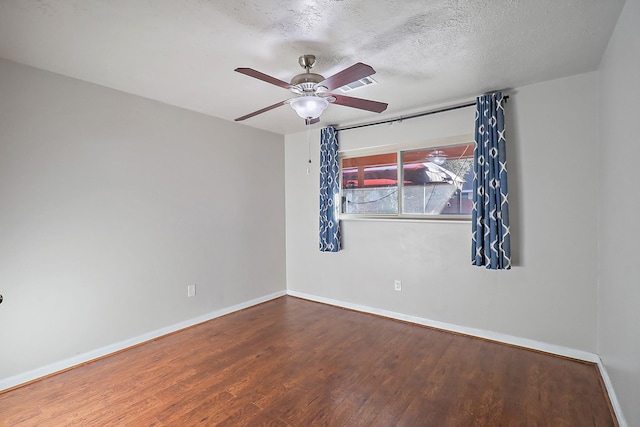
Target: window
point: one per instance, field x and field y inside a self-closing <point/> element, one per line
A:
<point x="434" y="182"/>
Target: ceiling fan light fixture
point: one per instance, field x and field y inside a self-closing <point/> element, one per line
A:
<point x="309" y="107"/>
<point x="313" y="93"/>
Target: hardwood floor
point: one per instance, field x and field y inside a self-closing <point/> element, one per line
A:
<point x="291" y="362"/>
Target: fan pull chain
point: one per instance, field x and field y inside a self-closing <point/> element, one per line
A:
<point x="309" y="145"/>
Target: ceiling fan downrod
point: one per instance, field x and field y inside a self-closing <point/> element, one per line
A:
<point x="307" y="80"/>
<point x="307" y="61"/>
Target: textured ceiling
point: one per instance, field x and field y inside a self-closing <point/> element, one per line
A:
<point x="425" y="52"/>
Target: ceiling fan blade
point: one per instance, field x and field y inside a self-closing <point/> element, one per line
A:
<point x="264" y="77"/>
<point x="363" y="104"/>
<point x="311" y="121"/>
<point x="255" y="113"/>
<point x="348" y="75"/>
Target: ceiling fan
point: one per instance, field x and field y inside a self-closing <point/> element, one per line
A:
<point x="313" y="90"/>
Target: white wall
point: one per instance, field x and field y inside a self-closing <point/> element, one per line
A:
<point x="550" y="295"/>
<point x="619" y="204"/>
<point x="112" y="204"/>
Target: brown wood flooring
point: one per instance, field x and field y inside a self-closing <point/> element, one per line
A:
<point x="291" y="362"/>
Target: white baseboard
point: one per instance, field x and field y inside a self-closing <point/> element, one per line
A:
<point x="62" y="365"/>
<point x="52" y="368"/>
<point x="480" y="333"/>
<point x="612" y="394"/>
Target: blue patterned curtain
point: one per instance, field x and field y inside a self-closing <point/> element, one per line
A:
<point x="329" y="191"/>
<point x="491" y="241"/>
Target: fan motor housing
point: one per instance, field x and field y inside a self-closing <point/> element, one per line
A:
<point x="307" y="78"/>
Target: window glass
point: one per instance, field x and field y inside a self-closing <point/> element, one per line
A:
<point x="438" y="181"/>
<point x="431" y="182"/>
<point x="370" y="184"/>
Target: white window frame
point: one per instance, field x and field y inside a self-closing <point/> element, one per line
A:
<point x="398" y="149"/>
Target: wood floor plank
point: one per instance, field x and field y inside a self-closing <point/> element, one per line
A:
<point x="291" y="362"/>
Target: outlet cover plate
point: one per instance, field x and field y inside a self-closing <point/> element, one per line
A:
<point x="397" y="285"/>
<point x="191" y="290"/>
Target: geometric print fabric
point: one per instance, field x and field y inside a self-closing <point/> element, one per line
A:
<point x="491" y="237"/>
<point x="329" y="191"/>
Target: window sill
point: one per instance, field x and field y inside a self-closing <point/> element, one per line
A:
<point x="449" y="219"/>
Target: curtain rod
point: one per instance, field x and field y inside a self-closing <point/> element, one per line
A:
<point x="413" y="116"/>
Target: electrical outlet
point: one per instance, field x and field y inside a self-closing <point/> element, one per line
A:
<point x="397" y="284"/>
<point x="191" y="290"/>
